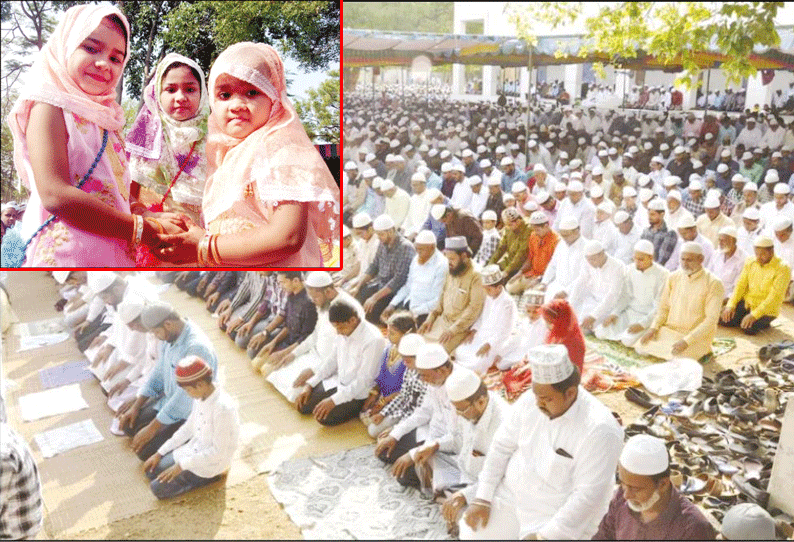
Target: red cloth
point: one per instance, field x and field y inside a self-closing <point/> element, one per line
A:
<point x="565" y="330"/>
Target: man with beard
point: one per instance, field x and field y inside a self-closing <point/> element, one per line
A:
<point x="663" y="240"/>
<point x="647" y="506"/>
<point x="461" y="301"/>
<point x="459" y="222"/>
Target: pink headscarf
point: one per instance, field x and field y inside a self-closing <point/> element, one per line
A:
<point x="49" y="82"/>
<point x="278" y="158"/>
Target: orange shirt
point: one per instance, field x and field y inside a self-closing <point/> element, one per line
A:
<point x="540" y="251"/>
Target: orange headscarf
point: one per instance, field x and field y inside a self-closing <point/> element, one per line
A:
<point x="278" y="159"/>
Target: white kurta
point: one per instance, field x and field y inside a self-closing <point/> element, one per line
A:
<point x="674" y="261"/>
<point x="557" y="497"/>
<point x="496" y="321"/>
<point x="584" y="211"/>
<point x="565" y="266"/>
<point x="624" y="244"/>
<point x="433" y="419"/>
<point x="785" y="251"/>
<point x="418" y="210"/>
<point x="745" y="239"/>
<point x="607" y="234"/>
<point x="478" y="201"/>
<point x="637" y="304"/>
<point x="728" y="271"/>
<point x="596" y="290"/>
<point x="526" y="335"/>
<point x="461" y="196"/>
<point x="397" y="206"/>
<point x="477" y="438"/>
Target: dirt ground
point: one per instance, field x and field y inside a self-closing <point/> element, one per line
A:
<point x="248" y="511"/>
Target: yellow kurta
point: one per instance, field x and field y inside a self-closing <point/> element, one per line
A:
<point x="710" y="229"/>
<point x="689" y="309"/>
<point x="763" y="287"/>
<point x="460" y="305"/>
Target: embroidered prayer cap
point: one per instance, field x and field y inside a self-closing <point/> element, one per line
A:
<point x="593" y="247"/>
<point x="154" y="315"/>
<point x="462" y="384"/>
<point x="410" y="344"/>
<point x="729" y="230"/>
<point x="781" y="223"/>
<point x="426" y="237"/>
<point x="751" y="214"/>
<point x="318" y="279"/>
<point x="657" y="205"/>
<point x="383" y="222"/>
<point x="569" y="223"/>
<point x="491" y="274"/>
<point x="644" y="246"/>
<point x="538" y="217"/>
<point x="191" y="369"/>
<point x="489" y="214"/>
<point x="691" y="247"/>
<point x="644" y="455"/>
<point x="748" y="521"/>
<point x="620" y="217"/>
<point x="456" y="243"/>
<point x="130" y="309"/>
<point x="60" y="276"/>
<point x="99" y="281"/>
<point x="361" y="220"/>
<point x="550" y="364"/>
<point x="438" y="210"/>
<point x="431" y="356"/>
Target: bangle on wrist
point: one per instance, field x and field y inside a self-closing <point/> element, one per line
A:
<point x="214" y="254"/>
<point x="156" y="225"/>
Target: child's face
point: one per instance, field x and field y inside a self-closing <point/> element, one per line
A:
<point x="240" y="108"/>
<point x="180" y="94"/>
<point x="97" y="63"/>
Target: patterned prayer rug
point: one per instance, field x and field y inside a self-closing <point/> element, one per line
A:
<point x="352" y="495"/>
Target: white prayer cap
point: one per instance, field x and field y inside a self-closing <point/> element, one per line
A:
<point x="370" y="157"/>
<point x="538" y="217"/>
<point x="60" y="276"/>
<point x="485" y="163"/>
<point x="781" y="223"/>
<point x="386" y="185"/>
<point x="362" y="220"/>
<point x="691" y="247"/>
<point x="751" y="214"/>
<point x="560" y="187"/>
<point x="664" y="147"/>
<point x="629" y="192"/>
<point x="130" y="309"/>
<point x="517" y="187"/>
<point x="782" y="189"/>
<point x="686" y="221"/>
<point x="494" y="180"/>
<point x="153" y="315"/>
<point x="345" y="231"/>
<point x="644" y="246"/>
<point x="729" y="231"/>
<point x="569" y="223"/>
<point x="432" y="152"/>
<point x="771" y="176"/>
<point x="598" y="170"/>
<point x="418" y="178"/>
<point x="456" y="243"/>
<point x="446" y="167"/>
<point x="776" y="154"/>
<point x="501" y="150"/>
<point x="607" y="206"/>
<point x="539" y="167"/>
<point x="748" y="521"/>
<point x="506" y="161"/>
<point x="426" y="237"/>
<point x="376" y="183"/>
<point x="750" y="187"/>
<point x="410" y="344"/>
<point x="575" y="163"/>
<point x="593" y="247"/>
<point x="351" y="165"/>
<point x="711" y="202"/>
<point x="438" y="210"/>
<point x="467" y="153"/>
<point x="672" y="180"/>
<point x="575" y="186"/>
<point x="462" y="384"/>
<point x="633" y="150"/>
<point x="99" y="281"/>
<point x="644" y="455"/>
<point x="431" y="356"/>
<point x="726" y="153"/>
<point x="445" y="154"/>
<point x="433" y="194"/>
<point x="459" y="167"/>
<point x="489" y="214"/>
<point x="596" y="191"/>
<point x="646" y="194"/>
<point x="383" y="222"/>
<point x="575" y="175"/>
<point x="763" y="242"/>
<point x="747" y="156"/>
<point x="647" y="145"/>
<point x="620" y="217"/>
<point x="738" y="178"/>
<point x="474" y="180"/>
<point x="542" y="197"/>
<point x="389" y="158"/>
<point x="318" y="279"/>
<point x="679" y="150"/>
<point x="550" y="364"/>
<point x="657" y="159"/>
<point x="657" y="205"/>
<point x="602" y="153"/>
<point x="722" y="168"/>
<point x="491" y="274"/>
<point x="394" y="143"/>
<point x="530" y="205"/>
<point x="695" y="185"/>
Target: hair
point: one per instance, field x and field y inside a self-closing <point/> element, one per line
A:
<point x="341" y="311"/>
<point x="403" y="322"/>
<point x="116" y="20"/>
<point x="193" y="70"/>
<point x="290" y="275"/>
<point x="573" y="380"/>
<point x="481" y="392"/>
<point x="662" y="475"/>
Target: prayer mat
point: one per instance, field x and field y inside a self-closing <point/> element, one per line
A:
<point x="67" y="373"/>
<point x="352" y="495"/>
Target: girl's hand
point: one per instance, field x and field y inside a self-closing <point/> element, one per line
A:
<point x="180" y="248"/>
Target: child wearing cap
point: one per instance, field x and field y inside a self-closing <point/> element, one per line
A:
<point x="490" y="237"/>
<point x="200" y="451"/>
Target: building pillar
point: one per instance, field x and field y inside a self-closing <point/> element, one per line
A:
<point x="573" y="80"/>
<point x="491" y="82"/>
<point x="757" y="93"/>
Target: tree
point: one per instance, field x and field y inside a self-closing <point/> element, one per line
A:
<point x="319" y="112"/>
<point x="433" y="17"/>
<point x="673" y="32"/>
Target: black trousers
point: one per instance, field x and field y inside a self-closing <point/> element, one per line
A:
<point x="406" y="443"/>
<point x="741" y="312"/>
<point x="145" y="416"/>
<point x="367" y="290"/>
<point x="339" y="414"/>
<point x="91" y="332"/>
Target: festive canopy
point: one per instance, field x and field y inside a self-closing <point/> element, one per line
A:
<point x="376" y="48"/>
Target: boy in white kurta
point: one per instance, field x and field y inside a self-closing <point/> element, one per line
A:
<point x="200" y="451"/>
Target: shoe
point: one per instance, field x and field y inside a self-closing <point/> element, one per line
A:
<point x="751" y="491"/>
<point x="639" y="397"/>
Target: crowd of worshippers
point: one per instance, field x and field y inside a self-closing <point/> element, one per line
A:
<point x="160" y="374"/>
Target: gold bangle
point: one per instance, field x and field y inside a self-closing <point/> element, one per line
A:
<point x="216" y="256"/>
<point x="134" y="229"/>
<point x="155" y="223"/>
<point x="199" y="256"/>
